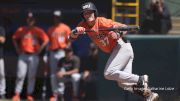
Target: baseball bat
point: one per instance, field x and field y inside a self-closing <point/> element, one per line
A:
<point x="128" y="28"/>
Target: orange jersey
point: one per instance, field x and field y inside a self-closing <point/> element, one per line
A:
<point x="30" y="39"/>
<point x="58" y="36"/>
<point x="101" y="38"/>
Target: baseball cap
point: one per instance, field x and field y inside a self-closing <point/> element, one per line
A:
<point x="30" y="14"/>
<point x="30" y="17"/>
<point x="57" y="13"/>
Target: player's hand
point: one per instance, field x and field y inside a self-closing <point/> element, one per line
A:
<point x="86" y="75"/>
<point x="120" y="32"/>
<point x="79" y="30"/>
<point x="123" y="32"/>
<point x="61" y="74"/>
<point x="114" y="35"/>
<point x="2" y="39"/>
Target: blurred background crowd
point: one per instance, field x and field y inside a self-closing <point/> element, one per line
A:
<point x="80" y="63"/>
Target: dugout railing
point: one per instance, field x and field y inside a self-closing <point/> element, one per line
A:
<point x="126" y="11"/>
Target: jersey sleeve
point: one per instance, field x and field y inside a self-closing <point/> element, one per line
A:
<point x="18" y="33"/>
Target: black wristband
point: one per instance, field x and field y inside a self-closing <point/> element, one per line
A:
<point x="118" y="34"/>
<point x="74" y="31"/>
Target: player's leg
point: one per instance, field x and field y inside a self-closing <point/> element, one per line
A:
<point x="119" y="66"/>
<point x="21" y="74"/>
<point x="127" y="69"/>
<point x="117" y="62"/>
<point x="53" y="62"/>
<point x="33" y="62"/>
<point x="55" y="56"/>
<point x="129" y="86"/>
<point x="2" y="79"/>
<point x="59" y="92"/>
<point x="60" y="88"/>
<point x="75" y="82"/>
<point x="139" y="89"/>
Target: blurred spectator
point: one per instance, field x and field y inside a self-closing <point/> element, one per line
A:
<point x="68" y="71"/>
<point x="157" y="18"/>
<point x="2" y="72"/>
<point x="89" y="75"/>
<point x="58" y="35"/>
<point x="29" y="41"/>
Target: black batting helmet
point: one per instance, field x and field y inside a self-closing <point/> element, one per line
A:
<point x="88" y="6"/>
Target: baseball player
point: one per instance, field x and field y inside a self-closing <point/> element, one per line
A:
<point x="28" y="41"/>
<point x="119" y="64"/>
<point x="58" y="35"/>
<point x="2" y="73"/>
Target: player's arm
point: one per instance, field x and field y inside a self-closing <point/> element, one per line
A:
<point x="117" y="24"/>
<point x="16" y="36"/>
<point x="76" y="32"/>
<point x="43" y="46"/>
<point x="108" y="23"/>
<point x="2" y="39"/>
<point x="43" y="36"/>
<point x="75" y="70"/>
<point x="117" y="34"/>
<point x="18" y="49"/>
<point x="73" y="34"/>
<point x="68" y="32"/>
<point x="76" y="67"/>
<point x="2" y="35"/>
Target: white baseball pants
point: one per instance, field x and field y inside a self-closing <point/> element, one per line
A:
<point x="2" y="78"/>
<point x="27" y="64"/>
<point x="119" y="65"/>
<point x="75" y="78"/>
<point x="54" y="57"/>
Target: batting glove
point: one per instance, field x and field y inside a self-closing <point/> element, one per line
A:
<point x="78" y="30"/>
